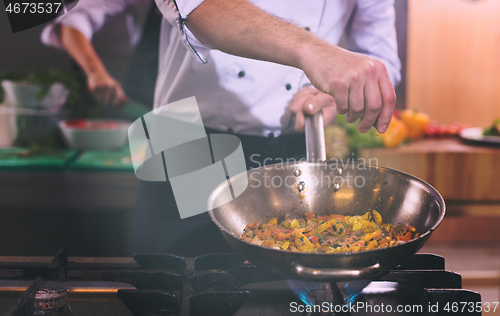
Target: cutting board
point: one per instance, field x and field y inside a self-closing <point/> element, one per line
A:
<point x="104" y="160"/>
<point x="23" y="159"/>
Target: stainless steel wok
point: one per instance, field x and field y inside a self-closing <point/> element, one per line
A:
<point x="330" y="187"/>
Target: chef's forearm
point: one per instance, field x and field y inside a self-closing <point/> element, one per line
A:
<point x="81" y="50"/>
<point x="240" y="28"/>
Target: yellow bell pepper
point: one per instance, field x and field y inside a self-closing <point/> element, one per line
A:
<point x="273" y="221"/>
<point x="294" y="223"/>
<point x="285" y="245"/>
<point x="371" y="245"/>
<point x="416" y="122"/>
<point x="322" y="228"/>
<point x="307" y="244"/>
<point x="396" y="133"/>
<point x="377" y="217"/>
<point x="372" y="235"/>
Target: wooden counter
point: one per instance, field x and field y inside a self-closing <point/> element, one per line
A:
<point x="468" y="177"/>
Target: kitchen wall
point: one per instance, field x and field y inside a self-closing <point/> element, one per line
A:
<point x="453" y="60"/>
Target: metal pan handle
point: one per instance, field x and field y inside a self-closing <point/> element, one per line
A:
<point x="315" y="137"/>
<point x="335" y="274"/>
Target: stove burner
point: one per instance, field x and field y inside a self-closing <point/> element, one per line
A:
<point x="215" y="284"/>
<point x="319" y="296"/>
<point x="50" y="299"/>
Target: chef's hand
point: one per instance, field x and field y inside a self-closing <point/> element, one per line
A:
<point x="310" y="100"/>
<point x="105" y="89"/>
<point x="358" y="83"/>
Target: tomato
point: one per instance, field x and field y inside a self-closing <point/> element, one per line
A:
<point x="104" y="125"/>
<point x="308" y="215"/>
<point x="78" y="123"/>
<point x="314" y="239"/>
<point x="282" y="236"/>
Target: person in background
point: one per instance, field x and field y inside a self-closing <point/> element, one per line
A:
<point x="73" y="32"/>
<point x="257" y="68"/>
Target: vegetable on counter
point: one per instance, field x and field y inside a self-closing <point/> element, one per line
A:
<point x="416" y="122"/>
<point x="396" y="133"/>
<point x="441" y="130"/>
<point x="494" y="129"/>
<point x="344" y="138"/>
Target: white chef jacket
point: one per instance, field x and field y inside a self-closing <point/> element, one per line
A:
<point x="233" y="93"/>
<point x="250" y="96"/>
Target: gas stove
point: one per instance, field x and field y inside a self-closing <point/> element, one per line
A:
<point x="215" y="284"/>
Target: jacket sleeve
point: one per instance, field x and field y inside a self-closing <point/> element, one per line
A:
<point x="176" y="13"/>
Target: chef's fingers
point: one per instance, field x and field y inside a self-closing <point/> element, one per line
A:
<point x="305" y="90"/>
<point x="318" y="102"/>
<point x="109" y="94"/>
<point x="340" y="95"/>
<point x="119" y="98"/>
<point x="298" y="103"/>
<point x="373" y="105"/>
<point x="388" y="102"/>
<point x="98" y="94"/>
<point x="356" y="101"/>
<point x="299" y="121"/>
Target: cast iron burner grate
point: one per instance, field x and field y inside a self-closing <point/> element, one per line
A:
<point x="216" y="284"/>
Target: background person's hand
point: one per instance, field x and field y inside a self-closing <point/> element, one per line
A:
<point x="358" y="84"/>
<point x="310" y="100"/>
<point x="105" y="89"/>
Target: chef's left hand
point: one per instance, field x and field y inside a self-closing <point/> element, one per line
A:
<point x="308" y="101"/>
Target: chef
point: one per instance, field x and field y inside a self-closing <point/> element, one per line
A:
<point x="256" y="69"/>
<point x="73" y="32"/>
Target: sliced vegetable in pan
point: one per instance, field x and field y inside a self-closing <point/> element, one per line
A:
<point x="328" y="234"/>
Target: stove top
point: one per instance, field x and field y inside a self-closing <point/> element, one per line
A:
<point x="218" y="284"/>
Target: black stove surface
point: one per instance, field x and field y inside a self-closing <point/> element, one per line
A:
<point x="221" y="284"/>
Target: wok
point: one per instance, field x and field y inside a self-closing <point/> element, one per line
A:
<point x="329" y="187"/>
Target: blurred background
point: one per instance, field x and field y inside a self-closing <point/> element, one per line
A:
<point x="56" y="193"/>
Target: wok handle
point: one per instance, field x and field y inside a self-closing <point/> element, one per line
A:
<point x="315" y="137"/>
<point x="335" y="274"/>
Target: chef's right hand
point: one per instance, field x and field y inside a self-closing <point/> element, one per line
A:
<point x="359" y="84"/>
<point x="105" y="89"/>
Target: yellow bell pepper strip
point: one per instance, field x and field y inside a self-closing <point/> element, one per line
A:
<point x="302" y="242"/>
<point x="396" y="133"/>
<point x="367" y="216"/>
<point x="285" y="245"/>
<point x="416" y="122"/>
<point x="377" y="217"/>
<point x="371" y="245"/>
<point x="321" y="228"/>
<point x="273" y="221"/>
<point x="372" y="235"/>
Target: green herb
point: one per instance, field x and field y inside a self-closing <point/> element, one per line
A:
<point x="357" y="140"/>
<point x="79" y="99"/>
<point x="493" y="130"/>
